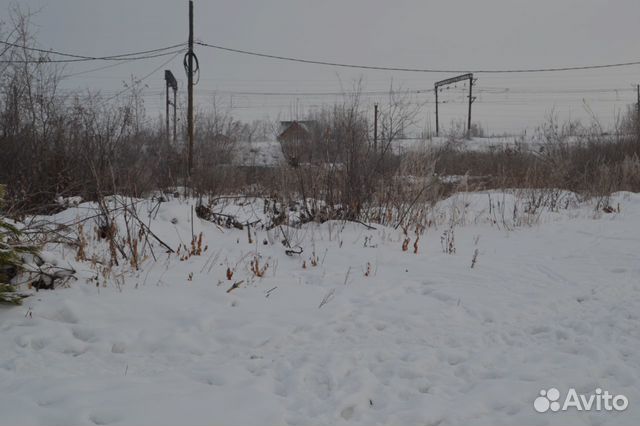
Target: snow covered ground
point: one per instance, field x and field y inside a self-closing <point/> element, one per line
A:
<point x="258" y="153"/>
<point x="402" y="146"/>
<point x="534" y="142"/>
<point x="269" y="153"/>
<point x="371" y="335"/>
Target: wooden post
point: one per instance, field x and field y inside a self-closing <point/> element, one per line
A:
<point x="638" y="108"/>
<point x="172" y="83"/>
<point x="190" y="91"/>
<point x="175" y="115"/>
<point x="375" y="128"/>
<point x="470" y="102"/>
<point x="168" y="102"/>
<point x="437" y="122"/>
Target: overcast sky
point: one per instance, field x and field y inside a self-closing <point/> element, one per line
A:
<point x="460" y="34"/>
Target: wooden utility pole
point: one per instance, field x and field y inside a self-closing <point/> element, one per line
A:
<point x="471" y="99"/>
<point x="171" y="83"/>
<point x="437" y="118"/>
<point x="175" y="116"/>
<point x="190" y="90"/>
<point x="638" y="106"/>
<point x="375" y="128"/>
<point x="168" y="102"/>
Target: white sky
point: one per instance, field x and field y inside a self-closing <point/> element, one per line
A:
<point x="465" y="34"/>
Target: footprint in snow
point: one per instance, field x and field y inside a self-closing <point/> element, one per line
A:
<point x="347" y="413"/>
<point x="39" y="343"/>
<point x="539" y="329"/>
<point x="105" y="418"/>
<point x="214" y="381"/>
<point x="64" y="315"/>
<point x="118" y="348"/>
<point x="83" y="334"/>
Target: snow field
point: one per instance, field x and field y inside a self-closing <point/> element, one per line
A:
<point x="423" y="339"/>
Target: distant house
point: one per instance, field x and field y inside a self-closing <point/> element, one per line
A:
<point x="295" y="130"/>
<point x="295" y="138"/>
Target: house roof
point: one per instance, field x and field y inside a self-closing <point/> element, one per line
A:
<point x="306" y="125"/>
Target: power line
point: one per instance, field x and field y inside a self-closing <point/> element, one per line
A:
<point x="535" y="91"/>
<point x="246" y="104"/>
<point x="131" y="56"/>
<point x="538" y="94"/>
<point x="422" y="70"/>
<point x="72" y="55"/>
<point x="142" y="79"/>
<point x="344" y="93"/>
<point x="117" y="64"/>
<point x="66" y="61"/>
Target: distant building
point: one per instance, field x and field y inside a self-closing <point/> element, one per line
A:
<point x="295" y="130"/>
<point x="295" y="139"/>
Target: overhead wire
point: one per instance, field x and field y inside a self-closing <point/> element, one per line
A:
<point x="130" y="56"/>
<point x="421" y="70"/>
<point x="177" y="49"/>
<point x="120" y="93"/>
<point x="117" y="64"/>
